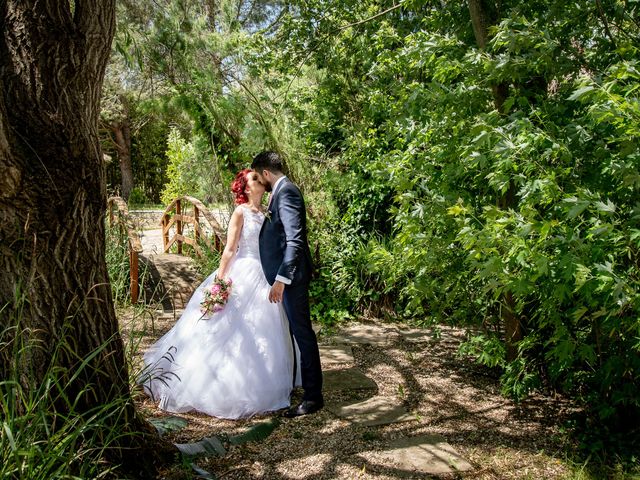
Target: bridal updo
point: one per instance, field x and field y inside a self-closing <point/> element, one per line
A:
<point x="239" y="186"/>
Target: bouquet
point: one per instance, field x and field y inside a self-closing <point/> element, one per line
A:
<point x="215" y="296"/>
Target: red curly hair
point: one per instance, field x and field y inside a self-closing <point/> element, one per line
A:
<point x="239" y="186"/>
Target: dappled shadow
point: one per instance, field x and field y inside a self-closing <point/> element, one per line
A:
<point x="154" y="290"/>
<point x="449" y="396"/>
<point x="170" y="280"/>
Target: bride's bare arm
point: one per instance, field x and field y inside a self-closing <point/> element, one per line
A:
<point x="233" y="237"/>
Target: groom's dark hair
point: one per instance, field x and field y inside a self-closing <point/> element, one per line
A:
<point x="268" y="160"/>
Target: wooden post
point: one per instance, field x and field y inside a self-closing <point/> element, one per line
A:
<point x="165" y="233"/>
<point x="196" y="224"/>
<point x="179" y="226"/>
<point x="133" y="265"/>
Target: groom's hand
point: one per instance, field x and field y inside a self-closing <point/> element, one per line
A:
<point x="276" y="292"/>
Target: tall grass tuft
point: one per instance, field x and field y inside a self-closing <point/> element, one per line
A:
<point x="208" y="262"/>
<point x="43" y="436"/>
<point x="117" y="258"/>
<point x="118" y="266"/>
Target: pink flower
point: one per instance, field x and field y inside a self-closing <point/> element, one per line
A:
<point x="215" y="297"/>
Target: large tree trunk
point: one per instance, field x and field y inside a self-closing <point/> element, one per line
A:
<point x="484" y="14"/>
<point x="53" y="55"/>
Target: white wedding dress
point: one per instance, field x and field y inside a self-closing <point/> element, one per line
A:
<point x="235" y="364"/>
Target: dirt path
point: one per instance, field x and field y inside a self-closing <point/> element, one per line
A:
<point x="445" y="395"/>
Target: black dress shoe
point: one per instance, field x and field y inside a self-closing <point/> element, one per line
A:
<point x="305" y="407"/>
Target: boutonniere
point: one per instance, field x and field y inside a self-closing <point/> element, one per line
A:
<point x="267" y="215"/>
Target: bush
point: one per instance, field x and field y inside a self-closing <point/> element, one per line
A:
<point x="465" y="204"/>
<point x="182" y="156"/>
<point x="137" y="197"/>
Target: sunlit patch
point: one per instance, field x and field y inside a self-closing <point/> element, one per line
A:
<point x="332" y="426"/>
<point x="304" y="467"/>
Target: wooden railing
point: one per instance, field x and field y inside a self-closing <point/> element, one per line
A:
<point x="119" y="213"/>
<point x="177" y="214"/>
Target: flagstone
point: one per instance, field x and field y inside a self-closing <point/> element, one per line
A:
<point x="152" y="241"/>
<point x="366" y="334"/>
<point x="168" y="423"/>
<point x="416" y="335"/>
<point x="206" y="446"/>
<point x="379" y="410"/>
<point x="425" y="454"/>
<point x="347" y="379"/>
<point x="419" y="335"/>
<point x="332" y="355"/>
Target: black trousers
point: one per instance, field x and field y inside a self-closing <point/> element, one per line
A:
<point x="296" y="305"/>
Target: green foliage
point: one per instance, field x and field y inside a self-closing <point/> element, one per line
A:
<point x="118" y="265"/>
<point x="344" y="281"/>
<point x="43" y="436"/>
<point x="441" y="179"/>
<point x="208" y="262"/>
<point x="487" y="350"/>
<point x="148" y="151"/>
<point x="449" y="204"/>
<point x="183" y="157"/>
<point x="327" y="308"/>
<point x="137" y="197"/>
<point x="117" y="258"/>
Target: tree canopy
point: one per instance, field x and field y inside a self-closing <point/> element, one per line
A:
<point x="472" y="163"/>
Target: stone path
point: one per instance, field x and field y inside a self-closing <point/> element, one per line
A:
<point x="366" y="334"/>
<point x="335" y="355"/>
<point x="348" y="379"/>
<point x="425" y="454"/>
<point x="378" y="410"/>
<point x="151" y="241"/>
<point x="173" y="280"/>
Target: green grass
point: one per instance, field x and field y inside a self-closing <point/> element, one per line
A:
<point x="39" y="441"/>
<point x="118" y="264"/>
<point x="43" y="436"/>
<point x="595" y="469"/>
<point x="117" y="258"/>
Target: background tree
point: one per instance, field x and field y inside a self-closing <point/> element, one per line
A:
<point x="117" y="124"/>
<point x="134" y="119"/>
<point x="52" y="60"/>
<point x="493" y="184"/>
<point x="198" y="56"/>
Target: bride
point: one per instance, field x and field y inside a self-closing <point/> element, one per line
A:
<point x="240" y="361"/>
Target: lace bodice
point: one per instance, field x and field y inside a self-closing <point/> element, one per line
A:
<point x="248" y="246"/>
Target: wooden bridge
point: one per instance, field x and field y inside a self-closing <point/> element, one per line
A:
<point x="157" y="254"/>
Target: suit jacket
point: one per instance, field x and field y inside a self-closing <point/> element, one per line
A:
<point x="284" y="249"/>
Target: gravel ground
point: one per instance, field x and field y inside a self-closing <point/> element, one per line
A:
<point x="449" y="395"/>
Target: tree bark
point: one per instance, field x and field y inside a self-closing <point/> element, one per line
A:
<point x="483" y="14"/>
<point x="211" y="8"/>
<point x="121" y="131"/>
<point x="54" y="283"/>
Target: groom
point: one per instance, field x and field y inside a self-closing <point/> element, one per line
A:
<point x="286" y="261"/>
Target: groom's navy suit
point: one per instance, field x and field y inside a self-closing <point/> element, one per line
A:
<point x="285" y="256"/>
